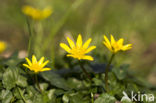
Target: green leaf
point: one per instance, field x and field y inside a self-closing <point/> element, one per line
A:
<point x="37" y="98"/>
<point x="19" y="101"/>
<point x="126" y="101"/>
<point x="121" y="72"/>
<point x="30" y="91"/>
<point x="55" y="80"/>
<point x="105" y="98"/>
<point x="21" y="81"/>
<point x="115" y="86"/>
<point x="98" y="82"/>
<point x="33" y="96"/>
<point x="11" y="77"/>
<point x="79" y="98"/>
<point x="43" y="86"/>
<point x="16" y="93"/>
<point x="51" y="95"/>
<point x="45" y="97"/>
<point x="6" y="96"/>
<point x="65" y="98"/>
<point x="59" y="92"/>
<point x="74" y="83"/>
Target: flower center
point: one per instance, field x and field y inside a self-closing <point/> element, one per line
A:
<point x="78" y="52"/>
<point x="116" y="47"/>
<point x="36" y="67"/>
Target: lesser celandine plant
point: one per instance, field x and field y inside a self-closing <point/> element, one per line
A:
<point x="79" y="50"/>
<point x="114" y="47"/>
<point x="2" y="46"/>
<point x="37" y="66"/>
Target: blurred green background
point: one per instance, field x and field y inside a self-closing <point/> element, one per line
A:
<point x="133" y="20"/>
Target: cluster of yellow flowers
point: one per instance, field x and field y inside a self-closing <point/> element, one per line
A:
<point x="79" y="51"/>
<point x="2" y="46"/>
<point x="37" y="14"/>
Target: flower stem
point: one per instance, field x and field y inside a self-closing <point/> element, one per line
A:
<point x="84" y="70"/>
<point x="38" y="49"/>
<point x="37" y="83"/>
<point x="30" y="37"/>
<point x="106" y="72"/>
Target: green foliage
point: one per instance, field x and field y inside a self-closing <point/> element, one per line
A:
<point x="55" y="80"/>
<point x="11" y="78"/>
<point x="18" y="86"/>
<point x="5" y="96"/>
<point x="105" y="98"/>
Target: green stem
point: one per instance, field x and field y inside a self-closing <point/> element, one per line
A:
<point x="53" y="53"/>
<point x="21" y="94"/>
<point x="38" y="39"/>
<point x="106" y="72"/>
<point x="84" y="70"/>
<point x="37" y="83"/>
<point x="30" y="37"/>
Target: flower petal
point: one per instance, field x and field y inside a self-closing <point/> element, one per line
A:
<point x="65" y="47"/>
<point x="120" y="41"/>
<point x="79" y="41"/>
<point x="26" y="66"/>
<point x="88" y="58"/>
<point x="2" y="46"/>
<point x="27" y="9"/>
<point x="46" y="12"/>
<point x="41" y="61"/>
<point x="34" y="60"/>
<point x="45" y="63"/>
<point x="112" y="40"/>
<point x="126" y="47"/>
<point x="86" y="44"/>
<point x="28" y="61"/>
<point x="71" y="43"/>
<point x="108" y="46"/>
<point x="45" y="69"/>
<point x="107" y="41"/>
<point x="90" y="49"/>
<point x="70" y="55"/>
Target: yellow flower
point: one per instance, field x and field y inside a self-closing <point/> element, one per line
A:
<point x="37" y="14"/>
<point x="2" y="46"/>
<point x="115" y="46"/>
<point x="36" y="66"/>
<point x="78" y="50"/>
